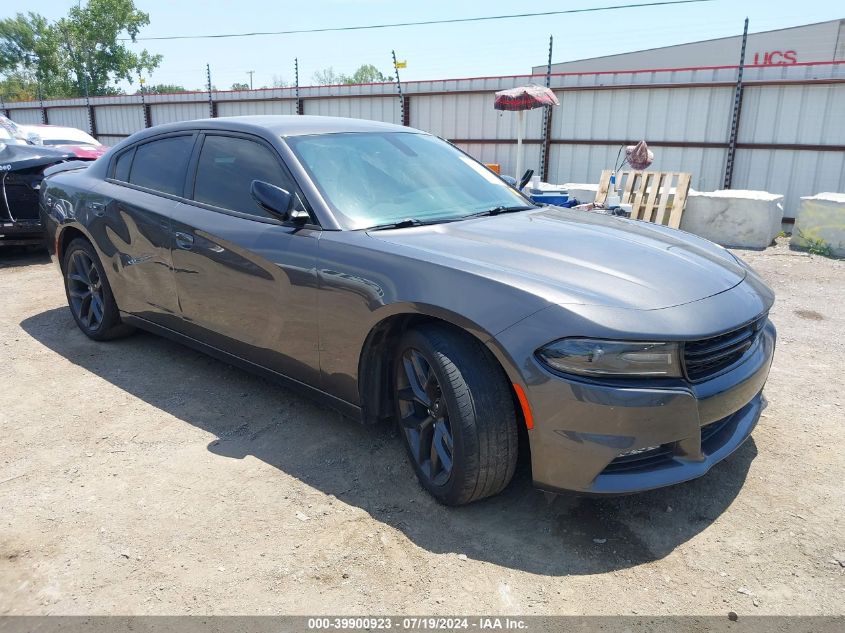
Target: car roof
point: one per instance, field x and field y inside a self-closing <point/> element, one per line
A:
<point x="285" y="125"/>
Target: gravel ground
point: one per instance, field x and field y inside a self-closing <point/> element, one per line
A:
<point x="140" y="477"/>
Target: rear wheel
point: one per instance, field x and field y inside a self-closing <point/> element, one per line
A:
<point x="455" y="411"/>
<point x="89" y="294"/>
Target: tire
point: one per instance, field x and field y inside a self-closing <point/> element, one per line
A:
<point x="89" y="295"/>
<point x="457" y="419"/>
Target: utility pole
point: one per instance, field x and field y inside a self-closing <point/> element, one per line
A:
<point x="547" y="122"/>
<point x="729" y="163"/>
<point x="92" y="130"/>
<point x="399" y="88"/>
<point x="41" y="100"/>
<point x="144" y="110"/>
<point x="299" y="108"/>
<point x="210" y="98"/>
<point x="250" y="73"/>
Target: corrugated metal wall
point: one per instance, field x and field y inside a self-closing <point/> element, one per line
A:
<point x="385" y="109"/>
<point x="172" y="112"/>
<point x="240" y="108"/>
<point x="470" y="116"/>
<point x="69" y="117"/>
<point x="791" y="136"/>
<point x="29" y="116"/>
<point x="118" y="120"/>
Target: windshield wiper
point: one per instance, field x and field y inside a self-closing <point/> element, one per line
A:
<point x="401" y="224"/>
<point x="498" y="210"/>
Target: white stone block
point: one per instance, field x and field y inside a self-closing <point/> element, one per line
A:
<point x="821" y="223"/>
<point x="583" y="192"/>
<point x="734" y="217"/>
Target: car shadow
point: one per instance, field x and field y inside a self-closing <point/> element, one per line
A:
<point x="522" y="528"/>
<point x="14" y="256"/>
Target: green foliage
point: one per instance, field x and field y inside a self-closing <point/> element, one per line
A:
<point x="160" y="89"/>
<point x="327" y="77"/>
<point x="365" y="74"/>
<point x="240" y="86"/>
<point x="819" y="247"/>
<point x="816" y="245"/>
<point x="19" y="86"/>
<point x="83" y="49"/>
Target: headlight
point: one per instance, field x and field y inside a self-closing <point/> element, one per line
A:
<point x="591" y="357"/>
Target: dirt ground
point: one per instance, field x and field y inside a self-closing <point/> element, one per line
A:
<point x="140" y="477"/>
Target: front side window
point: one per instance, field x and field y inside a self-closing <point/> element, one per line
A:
<point x="382" y="177"/>
<point x="228" y="165"/>
<point x="161" y="165"/>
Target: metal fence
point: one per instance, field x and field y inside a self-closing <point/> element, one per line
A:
<point x="791" y="138"/>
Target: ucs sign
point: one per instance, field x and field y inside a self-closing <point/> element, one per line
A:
<point x="775" y="58"/>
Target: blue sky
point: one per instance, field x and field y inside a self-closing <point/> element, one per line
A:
<point x="432" y="52"/>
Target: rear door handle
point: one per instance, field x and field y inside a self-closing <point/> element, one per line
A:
<point x="184" y="240"/>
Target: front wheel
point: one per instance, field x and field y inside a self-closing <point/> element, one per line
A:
<point x="455" y="411"/>
<point x="89" y="295"/>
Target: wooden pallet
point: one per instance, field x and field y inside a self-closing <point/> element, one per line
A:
<point x="656" y="196"/>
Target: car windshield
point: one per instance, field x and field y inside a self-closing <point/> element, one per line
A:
<point x="9" y="131"/>
<point x="373" y="179"/>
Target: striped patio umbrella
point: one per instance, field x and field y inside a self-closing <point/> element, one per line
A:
<point x="519" y="100"/>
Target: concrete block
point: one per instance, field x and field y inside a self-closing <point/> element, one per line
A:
<point x="734" y="217"/>
<point x="821" y="223"/>
<point x="583" y="192"/>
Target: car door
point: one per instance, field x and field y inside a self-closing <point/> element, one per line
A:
<point x="132" y="220"/>
<point x="246" y="282"/>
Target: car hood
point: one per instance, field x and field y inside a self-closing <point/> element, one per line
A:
<point x="578" y="257"/>
<point x="20" y="157"/>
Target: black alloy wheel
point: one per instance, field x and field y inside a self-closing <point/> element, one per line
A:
<point x="85" y="290"/>
<point x="455" y="409"/>
<point x="89" y="295"/>
<point x="424" y="417"/>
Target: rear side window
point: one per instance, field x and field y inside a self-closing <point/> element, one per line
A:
<point x="228" y="165"/>
<point x="122" y="165"/>
<point x="161" y="165"/>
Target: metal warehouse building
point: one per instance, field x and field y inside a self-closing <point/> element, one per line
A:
<point x="790" y="127"/>
<point x="820" y="42"/>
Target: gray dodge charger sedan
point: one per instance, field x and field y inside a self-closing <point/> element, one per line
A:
<point x="397" y="279"/>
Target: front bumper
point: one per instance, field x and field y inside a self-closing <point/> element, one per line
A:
<point x="21" y="232"/>
<point x="616" y="439"/>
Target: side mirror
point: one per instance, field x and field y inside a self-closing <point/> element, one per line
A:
<point x="277" y="201"/>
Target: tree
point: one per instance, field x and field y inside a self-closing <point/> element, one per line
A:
<point x="29" y="54"/>
<point x="327" y="77"/>
<point x="240" y="86"/>
<point x="95" y="56"/>
<point x="161" y="89"/>
<point x="18" y="87"/>
<point x="280" y="82"/>
<point x="366" y="74"/>
<point x="82" y="50"/>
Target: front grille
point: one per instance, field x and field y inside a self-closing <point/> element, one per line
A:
<point x="641" y="461"/>
<point x="21" y="198"/>
<point x="709" y="356"/>
<point x="654" y="458"/>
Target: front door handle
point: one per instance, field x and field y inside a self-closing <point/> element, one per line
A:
<point x="184" y="240"/>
